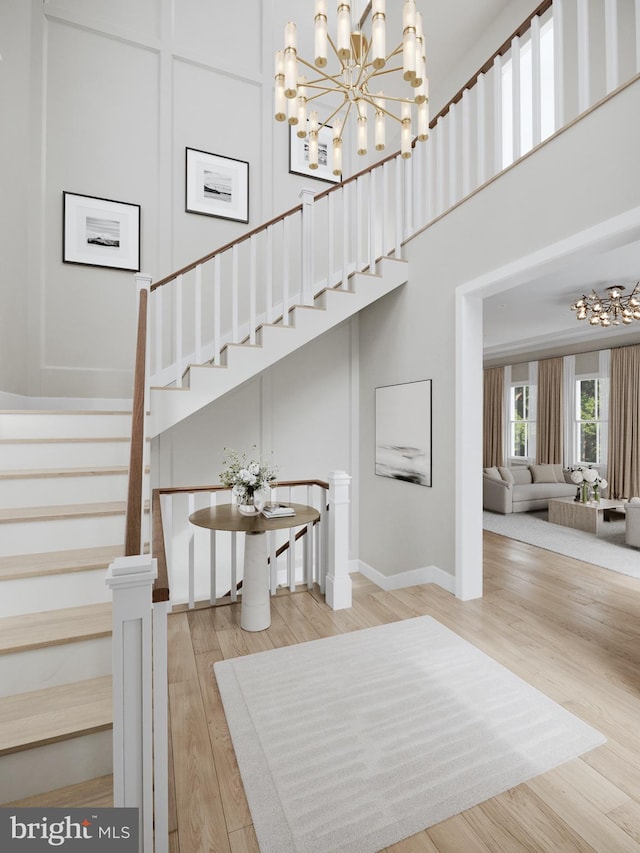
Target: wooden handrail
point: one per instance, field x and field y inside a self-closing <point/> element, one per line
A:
<point x="504" y="47"/>
<point x="226" y="247"/>
<point x="161" y="583"/>
<point x="133" y="523"/>
<point x="170" y="490"/>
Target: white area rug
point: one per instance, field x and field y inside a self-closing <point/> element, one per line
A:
<point x="354" y="742"/>
<point x="607" y="549"/>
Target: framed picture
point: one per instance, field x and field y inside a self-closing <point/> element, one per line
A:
<point x="299" y="155"/>
<point x="217" y="186"/>
<point x="100" y="233"/>
<point x="403" y="432"/>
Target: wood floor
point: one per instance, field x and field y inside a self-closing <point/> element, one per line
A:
<point x="570" y="629"/>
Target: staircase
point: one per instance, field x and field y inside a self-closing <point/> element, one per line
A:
<point x="201" y="384"/>
<point x="63" y="482"/>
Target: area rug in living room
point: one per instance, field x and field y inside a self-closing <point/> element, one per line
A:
<point x="353" y="742"/>
<point x="607" y="548"/>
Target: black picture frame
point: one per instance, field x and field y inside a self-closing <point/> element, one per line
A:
<point x="100" y="232"/>
<point x="216" y="186"/>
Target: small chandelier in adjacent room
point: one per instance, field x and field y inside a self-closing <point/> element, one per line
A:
<point x="613" y="309"/>
<point x="359" y="63"/>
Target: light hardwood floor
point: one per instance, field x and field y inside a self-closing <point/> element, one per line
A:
<point x="570" y="629"/>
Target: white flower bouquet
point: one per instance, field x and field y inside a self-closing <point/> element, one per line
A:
<point x="588" y="478"/>
<point x="246" y="474"/>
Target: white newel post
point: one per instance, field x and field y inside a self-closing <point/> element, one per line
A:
<point x="338" y="583"/>
<point x="307" y="196"/>
<point x="143" y="282"/>
<point x="130" y="580"/>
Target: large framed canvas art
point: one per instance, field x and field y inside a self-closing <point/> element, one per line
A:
<point x="403" y="432"/>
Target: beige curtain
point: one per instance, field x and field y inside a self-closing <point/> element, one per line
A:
<point x="493" y="417"/>
<point x="624" y="423"/>
<point x="549" y="417"/>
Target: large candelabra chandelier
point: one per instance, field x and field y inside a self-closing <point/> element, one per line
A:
<point x="360" y="63"/>
<point x="610" y="310"/>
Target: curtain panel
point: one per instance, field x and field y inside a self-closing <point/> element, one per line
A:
<point x="550" y="411"/>
<point x="493" y="417"/>
<point x="624" y="423"/>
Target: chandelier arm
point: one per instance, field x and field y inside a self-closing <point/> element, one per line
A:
<point x="325" y="123"/>
<point x="369" y="100"/>
<point x="346" y="116"/>
<point x="323" y="76"/>
<point x="335" y="53"/>
<point x="384" y="71"/>
<point x="323" y="90"/>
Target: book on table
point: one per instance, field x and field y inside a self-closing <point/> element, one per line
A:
<point x="277" y="510"/>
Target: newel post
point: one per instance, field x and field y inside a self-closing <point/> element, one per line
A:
<point x="130" y="580"/>
<point x="338" y="583"/>
<point x="307" y="197"/>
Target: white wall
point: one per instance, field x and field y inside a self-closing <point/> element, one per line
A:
<point x="566" y="187"/>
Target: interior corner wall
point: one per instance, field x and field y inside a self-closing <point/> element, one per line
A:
<point x="551" y="195"/>
<point x="15" y="18"/>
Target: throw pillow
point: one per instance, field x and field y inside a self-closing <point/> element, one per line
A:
<point x="559" y="473"/>
<point x="634" y="500"/>
<point x="506" y="475"/>
<point x="543" y="474"/>
<point x="493" y="473"/>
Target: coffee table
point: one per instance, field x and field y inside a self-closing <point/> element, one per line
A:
<point x="582" y="516"/>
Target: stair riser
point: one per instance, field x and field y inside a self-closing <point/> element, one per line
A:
<point x="56" y="765"/>
<point x="80" y="454"/>
<point x="36" y="537"/>
<point x="51" y="592"/>
<point x="36" y="669"/>
<point x="63" y="425"/>
<point x="46" y="491"/>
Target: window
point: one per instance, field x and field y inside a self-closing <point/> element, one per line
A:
<point x="590" y="419"/>
<point x="520" y="424"/>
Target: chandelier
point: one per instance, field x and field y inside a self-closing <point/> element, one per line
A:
<point x="610" y="310"/>
<point x="358" y="61"/>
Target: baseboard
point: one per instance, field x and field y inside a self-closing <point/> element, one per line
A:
<point x="428" y="574"/>
<point x="104" y="404"/>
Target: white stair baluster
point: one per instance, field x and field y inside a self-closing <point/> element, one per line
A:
<point x="286" y="272"/>
<point x="481" y="129"/>
<point x="584" y="87"/>
<point x="467" y="130"/>
<point x="453" y="155"/>
<point x="536" y="99"/>
<point x="407" y="171"/>
<point x="192" y="553"/>
<point x="178" y="332"/>
<point x="197" y="314"/>
<point x="558" y="62"/>
<point x="234" y="295"/>
<point x="358" y="222"/>
<point x="291" y="562"/>
<point x="516" y="105"/>
<point x="611" y="44"/>
<point x="269" y="273"/>
<point x="384" y="176"/>
<point x="330" y="226"/>
<point x="308" y="239"/>
<point x="273" y="561"/>
<point x="442" y="165"/>
<point x="158" y="301"/>
<point x="497" y="115"/>
<point x="252" y="289"/>
<point x="398" y="206"/>
<point x="345" y="232"/>
<point x="373" y="216"/>
<point x="431" y="172"/>
<point x="234" y="566"/>
<point x="217" y="341"/>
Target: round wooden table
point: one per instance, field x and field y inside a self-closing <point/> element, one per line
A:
<point x="255" y="612"/>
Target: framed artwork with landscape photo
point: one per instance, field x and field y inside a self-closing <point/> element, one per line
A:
<point x="403" y="432"/>
<point x="98" y="232"/>
<point x="216" y="186"/>
<point x="299" y="155"/>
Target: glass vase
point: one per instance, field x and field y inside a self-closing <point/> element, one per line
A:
<point x="584" y="492"/>
<point x="246" y="504"/>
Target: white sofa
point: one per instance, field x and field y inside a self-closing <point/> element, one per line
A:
<point x="632" y="524"/>
<point x="524" y="487"/>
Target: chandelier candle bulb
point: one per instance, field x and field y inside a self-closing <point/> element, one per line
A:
<point x="405" y="133"/>
<point x="313" y="149"/>
<point x="337" y="148"/>
<point x="378" y="34"/>
<point x="302" y="111"/>
<point x="409" y="40"/>
<point x="320" y="34"/>
<point x="423" y="121"/>
<point x="380" y="124"/>
<point x="362" y="127"/>
<point x="344" y="31"/>
<point x="280" y="100"/>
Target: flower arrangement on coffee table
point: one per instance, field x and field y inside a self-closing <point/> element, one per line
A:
<point x="589" y="481"/>
<point x="248" y="475"/>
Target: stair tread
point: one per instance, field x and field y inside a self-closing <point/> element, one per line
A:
<point x="54" y="714"/>
<point x="96" y="793"/>
<point x="67" y="440"/>
<point x="36" y="473"/>
<point x="54" y="627"/>
<point x="58" y="562"/>
<point x="33" y="513"/>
